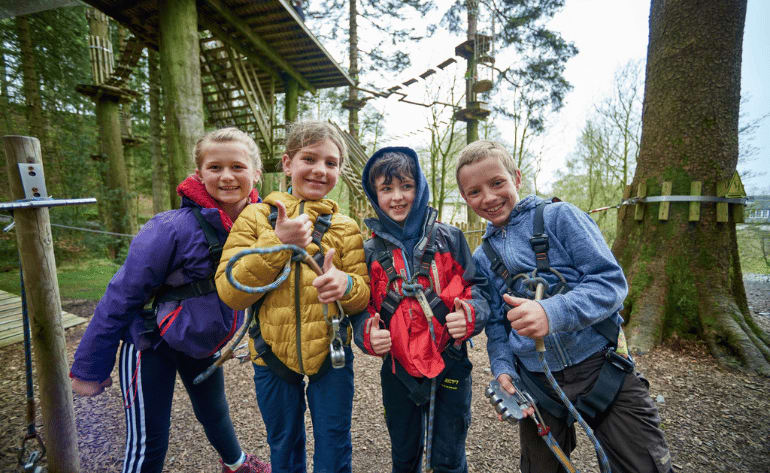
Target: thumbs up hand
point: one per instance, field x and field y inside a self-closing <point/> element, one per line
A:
<point x="333" y="283"/>
<point x="456" y="322"/>
<point x="379" y="337"/>
<point x="293" y="231"/>
<point x="527" y="317"/>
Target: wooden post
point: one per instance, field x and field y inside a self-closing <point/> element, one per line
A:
<point x="695" y="190"/>
<point x="33" y="237"/>
<point x="292" y="100"/>
<point x="180" y="72"/>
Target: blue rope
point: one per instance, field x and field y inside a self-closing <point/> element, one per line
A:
<point x="297" y="254"/>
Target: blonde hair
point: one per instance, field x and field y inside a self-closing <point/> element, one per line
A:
<point x="310" y="132"/>
<point x="481" y="149"/>
<point x="226" y="135"/>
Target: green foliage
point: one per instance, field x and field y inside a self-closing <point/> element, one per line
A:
<point x="85" y="279"/>
<point x="750" y="248"/>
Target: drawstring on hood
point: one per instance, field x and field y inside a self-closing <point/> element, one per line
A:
<point x="195" y="191"/>
<point x="409" y="234"/>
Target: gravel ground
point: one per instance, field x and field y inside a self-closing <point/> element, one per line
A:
<point x="715" y="420"/>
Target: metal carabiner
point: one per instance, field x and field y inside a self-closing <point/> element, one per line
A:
<point x="31" y="463"/>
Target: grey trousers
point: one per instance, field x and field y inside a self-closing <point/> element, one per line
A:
<point x="629" y="431"/>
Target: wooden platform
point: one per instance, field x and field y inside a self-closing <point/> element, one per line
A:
<point x="11" y="328"/>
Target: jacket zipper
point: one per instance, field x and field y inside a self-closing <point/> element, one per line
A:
<point x="297" y="308"/>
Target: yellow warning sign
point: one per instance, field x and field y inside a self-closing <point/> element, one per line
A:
<point x="735" y="188"/>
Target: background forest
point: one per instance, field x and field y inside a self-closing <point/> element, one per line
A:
<point x="45" y="56"/>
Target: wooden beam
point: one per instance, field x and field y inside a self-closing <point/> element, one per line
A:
<point x="259" y="43"/>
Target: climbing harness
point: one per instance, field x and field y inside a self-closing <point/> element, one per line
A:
<point x="337" y="324"/>
<point x="432" y="307"/>
<point x="614" y="370"/>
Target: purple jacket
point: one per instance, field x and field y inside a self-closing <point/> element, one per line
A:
<point x="170" y="248"/>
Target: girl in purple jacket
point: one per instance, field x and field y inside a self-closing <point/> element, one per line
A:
<point x="172" y="250"/>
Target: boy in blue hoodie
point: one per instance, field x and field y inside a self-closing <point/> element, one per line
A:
<point x="427" y="300"/>
<point x="578" y="318"/>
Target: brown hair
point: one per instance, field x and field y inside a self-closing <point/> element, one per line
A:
<point x="310" y="132"/>
<point x="226" y="135"/>
<point x="481" y="149"/>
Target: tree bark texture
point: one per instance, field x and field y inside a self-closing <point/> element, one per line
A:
<point x="35" y="242"/>
<point x="181" y="76"/>
<point x="471" y="126"/>
<point x="159" y="200"/>
<point x="353" y="69"/>
<point x="685" y="277"/>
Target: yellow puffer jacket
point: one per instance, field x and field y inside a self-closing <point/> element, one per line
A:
<point x="298" y="336"/>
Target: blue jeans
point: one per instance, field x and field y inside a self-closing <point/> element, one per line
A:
<point x="452" y="418"/>
<point x="283" y="410"/>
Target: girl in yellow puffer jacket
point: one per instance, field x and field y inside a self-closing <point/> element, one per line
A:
<point x="291" y="317"/>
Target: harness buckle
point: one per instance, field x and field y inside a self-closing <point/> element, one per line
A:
<point x="619" y="362"/>
<point x="539" y="243"/>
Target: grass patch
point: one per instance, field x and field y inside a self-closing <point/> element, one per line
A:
<point x="85" y="279"/>
<point x="753" y="260"/>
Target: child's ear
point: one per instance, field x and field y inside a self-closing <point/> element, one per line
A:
<point x="517" y="179"/>
<point x="285" y="163"/>
<point x="198" y="175"/>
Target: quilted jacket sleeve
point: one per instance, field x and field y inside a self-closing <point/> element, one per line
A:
<point x="354" y="264"/>
<point x="250" y="230"/>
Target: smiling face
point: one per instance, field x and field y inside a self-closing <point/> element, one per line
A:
<point x="228" y="173"/>
<point x="395" y="198"/>
<point x="489" y="189"/>
<point x="313" y="170"/>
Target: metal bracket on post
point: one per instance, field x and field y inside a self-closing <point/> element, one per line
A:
<point x="33" y="180"/>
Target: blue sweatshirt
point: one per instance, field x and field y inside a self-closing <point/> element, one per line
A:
<point x="578" y="251"/>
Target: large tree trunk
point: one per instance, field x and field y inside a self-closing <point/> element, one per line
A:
<point x="353" y="69"/>
<point x="159" y="199"/>
<point x="685" y="277"/>
<point x="35" y="115"/>
<point x="180" y="72"/>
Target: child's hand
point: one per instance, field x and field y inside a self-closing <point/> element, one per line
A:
<point x="379" y="337"/>
<point x="456" y="323"/>
<point x="506" y="382"/>
<point x="333" y="283"/>
<point x="90" y="388"/>
<point x="293" y="231"/>
<point x="527" y="317"/>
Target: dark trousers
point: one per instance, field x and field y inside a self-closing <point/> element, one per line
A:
<point x="629" y="431"/>
<point x="282" y="406"/>
<point x="452" y="418"/>
<point x="147" y="382"/>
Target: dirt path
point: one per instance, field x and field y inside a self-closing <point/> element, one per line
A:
<point x="714" y="419"/>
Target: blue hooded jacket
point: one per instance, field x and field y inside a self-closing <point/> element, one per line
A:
<point x="410" y="233"/>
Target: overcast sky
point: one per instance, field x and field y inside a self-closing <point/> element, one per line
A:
<point x="609" y="34"/>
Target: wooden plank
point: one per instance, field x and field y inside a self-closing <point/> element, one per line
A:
<point x="722" y="209"/>
<point x="641" y="192"/>
<point x="695" y="190"/>
<point x="11" y="325"/>
<point x="664" y="206"/>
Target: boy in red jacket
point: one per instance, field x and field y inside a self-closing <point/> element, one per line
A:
<point x="427" y="300"/>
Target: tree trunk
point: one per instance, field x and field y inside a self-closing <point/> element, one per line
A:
<point x="471" y="126"/>
<point x="159" y="200"/>
<point x="353" y="69"/>
<point x="181" y="75"/>
<point x="36" y="119"/>
<point x="685" y="277"/>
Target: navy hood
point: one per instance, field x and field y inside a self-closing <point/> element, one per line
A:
<point x="411" y="232"/>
